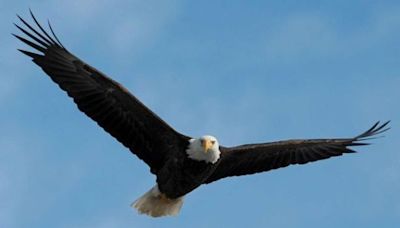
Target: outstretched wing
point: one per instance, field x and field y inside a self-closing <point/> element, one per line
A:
<point x="104" y="100"/>
<point x="255" y="158"/>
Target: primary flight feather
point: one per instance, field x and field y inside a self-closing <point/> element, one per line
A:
<point x="181" y="163"/>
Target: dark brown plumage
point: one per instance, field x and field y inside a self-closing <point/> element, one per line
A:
<point x="255" y="158"/>
<point x="165" y="150"/>
<point x="105" y="101"/>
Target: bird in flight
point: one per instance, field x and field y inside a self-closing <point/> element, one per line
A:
<point x="180" y="163"/>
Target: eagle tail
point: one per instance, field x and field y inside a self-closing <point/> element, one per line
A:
<point x="156" y="204"/>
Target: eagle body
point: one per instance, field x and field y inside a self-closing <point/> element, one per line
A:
<point x="180" y="163"/>
<point x="180" y="176"/>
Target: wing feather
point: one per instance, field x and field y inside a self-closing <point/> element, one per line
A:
<point x="254" y="158"/>
<point x="102" y="99"/>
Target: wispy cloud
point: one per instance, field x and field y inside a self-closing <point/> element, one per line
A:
<point x="313" y="34"/>
<point x="301" y="35"/>
<point x="83" y="178"/>
<point x="122" y="27"/>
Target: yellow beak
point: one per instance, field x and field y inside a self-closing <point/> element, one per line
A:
<point x="206" y="144"/>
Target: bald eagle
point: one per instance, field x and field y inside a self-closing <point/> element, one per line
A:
<point x="180" y="163"/>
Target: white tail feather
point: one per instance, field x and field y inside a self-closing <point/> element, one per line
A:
<point x="155" y="204"/>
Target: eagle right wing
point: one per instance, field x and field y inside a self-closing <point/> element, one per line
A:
<point x="104" y="100"/>
<point x="255" y="158"/>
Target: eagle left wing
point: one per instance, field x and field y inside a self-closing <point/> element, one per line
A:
<point x="104" y="100"/>
<point x="255" y="158"/>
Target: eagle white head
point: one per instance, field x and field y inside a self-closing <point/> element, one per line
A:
<point x="205" y="148"/>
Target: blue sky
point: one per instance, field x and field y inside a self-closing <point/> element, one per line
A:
<point x="244" y="71"/>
